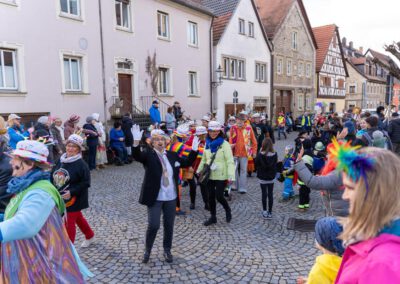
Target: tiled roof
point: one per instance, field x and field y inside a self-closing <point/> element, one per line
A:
<point x="323" y="36"/>
<point x="220" y="7"/>
<point x="219" y="26"/>
<point x="274" y="12"/>
<point x="382" y="57"/>
<point x="196" y="5"/>
<point x="358" y="61"/>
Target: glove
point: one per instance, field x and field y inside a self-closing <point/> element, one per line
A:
<point x="195" y="143"/>
<point x="136" y="132"/>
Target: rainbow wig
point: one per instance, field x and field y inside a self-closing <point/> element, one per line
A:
<point x="347" y="159"/>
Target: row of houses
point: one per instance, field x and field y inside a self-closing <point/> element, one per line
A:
<point x="218" y="56"/>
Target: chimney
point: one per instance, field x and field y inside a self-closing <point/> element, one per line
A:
<point x="351" y="44"/>
<point x="361" y="49"/>
<point x="344" y="42"/>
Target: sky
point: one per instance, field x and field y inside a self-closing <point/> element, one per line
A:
<point x="368" y="23"/>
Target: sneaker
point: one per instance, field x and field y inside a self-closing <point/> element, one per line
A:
<point x="265" y="214"/>
<point x="269" y="215"/>
<point x="306" y="206"/>
<point x="87" y="243"/>
<point x="192" y="207"/>
<point x="212" y="220"/>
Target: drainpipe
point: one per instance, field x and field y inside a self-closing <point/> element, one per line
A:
<point x="211" y="66"/>
<point x="103" y="71"/>
<point x="272" y="93"/>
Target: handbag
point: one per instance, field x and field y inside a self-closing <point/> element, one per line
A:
<point x="205" y="173"/>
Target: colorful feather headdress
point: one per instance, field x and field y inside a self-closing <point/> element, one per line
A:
<point x="347" y="159"/>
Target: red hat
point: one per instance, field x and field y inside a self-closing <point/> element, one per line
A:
<point x="74" y="118"/>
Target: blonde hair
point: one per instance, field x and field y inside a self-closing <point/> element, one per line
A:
<point x="3" y="129"/>
<point x="371" y="212"/>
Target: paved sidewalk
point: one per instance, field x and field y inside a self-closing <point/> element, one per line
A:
<point x="249" y="249"/>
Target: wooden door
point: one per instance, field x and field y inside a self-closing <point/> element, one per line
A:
<point x="125" y="91"/>
<point x="283" y="102"/>
<point x="230" y="109"/>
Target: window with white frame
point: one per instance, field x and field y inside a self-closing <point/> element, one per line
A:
<point x="294" y="40"/>
<point x="233" y="68"/>
<point x="163" y="24"/>
<point x="193" y="91"/>
<point x="8" y="70"/>
<point x="289" y="67"/>
<point x="300" y="69"/>
<point x="308" y="70"/>
<point x="261" y="72"/>
<point x="241" y="70"/>
<point x="193" y="34"/>
<point x="300" y="102"/>
<point x="308" y="102"/>
<point x="279" y="66"/>
<point x="242" y="28"/>
<point x="251" y="29"/>
<point x="71" y="7"/>
<point x="72" y="74"/>
<point x="225" y="72"/>
<point x="123" y="13"/>
<point x="163" y="81"/>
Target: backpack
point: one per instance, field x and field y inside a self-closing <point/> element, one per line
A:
<point x="379" y="139"/>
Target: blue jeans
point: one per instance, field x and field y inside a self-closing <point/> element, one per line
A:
<point x="121" y="153"/>
<point x="281" y="129"/>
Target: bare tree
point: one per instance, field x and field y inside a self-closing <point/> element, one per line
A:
<point x="152" y="71"/>
<point x="394" y="49"/>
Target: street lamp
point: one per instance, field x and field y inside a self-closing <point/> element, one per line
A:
<point x="219" y="77"/>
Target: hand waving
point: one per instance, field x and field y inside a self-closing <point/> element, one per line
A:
<point x="195" y="143"/>
<point x="136" y="132"/>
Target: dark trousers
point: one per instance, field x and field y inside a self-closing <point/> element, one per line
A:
<point x="192" y="191"/>
<point x="281" y="129"/>
<point x="267" y="190"/>
<point x="154" y="216"/>
<point x="92" y="156"/>
<point x="304" y="195"/>
<point x="216" y="191"/>
<point x="121" y="153"/>
<point x="396" y="148"/>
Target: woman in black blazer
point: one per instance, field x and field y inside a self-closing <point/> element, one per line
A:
<point x="160" y="185"/>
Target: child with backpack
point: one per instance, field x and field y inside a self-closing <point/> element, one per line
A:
<point x="266" y="164"/>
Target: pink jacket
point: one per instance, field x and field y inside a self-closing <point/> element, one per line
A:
<point x="369" y="262"/>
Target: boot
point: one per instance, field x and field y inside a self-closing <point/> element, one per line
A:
<point x="212" y="220"/>
<point x="228" y="216"/>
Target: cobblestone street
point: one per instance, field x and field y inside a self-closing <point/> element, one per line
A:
<point x="249" y="249"/>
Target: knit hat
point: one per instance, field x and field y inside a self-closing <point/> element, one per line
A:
<point x="182" y="130"/>
<point x="350" y="127"/>
<point x="43" y="119"/>
<point x="256" y="115"/>
<point x="157" y="132"/>
<point x="74" y="118"/>
<point x="319" y="146"/>
<point x="75" y="139"/>
<point x="200" y="130"/>
<point x="327" y="231"/>
<point x="96" y="116"/>
<point x="32" y="150"/>
<point x="155" y="102"/>
<point x="379" y="139"/>
<point x="232" y="118"/>
<point x="289" y="149"/>
<point x="214" y="125"/>
<point x="3" y="128"/>
<point x="308" y="160"/>
<point x="89" y="119"/>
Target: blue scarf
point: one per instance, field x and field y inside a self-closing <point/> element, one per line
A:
<point x="213" y="145"/>
<point x="18" y="184"/>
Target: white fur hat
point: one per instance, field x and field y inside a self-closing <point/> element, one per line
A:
<point x="157" y="132"/>
<point x="206" y="118"/>
<point x="214" y="125"/>
<point x="200" y="130"/>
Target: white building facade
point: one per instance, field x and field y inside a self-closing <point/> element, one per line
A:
<point x="76" y="57"/>
<point x="243" y="52"/>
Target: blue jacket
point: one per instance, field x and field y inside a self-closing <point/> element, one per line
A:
<point x="16" y="135"/>
<point x="155" y="115"/>
<point x="114" y="138"/>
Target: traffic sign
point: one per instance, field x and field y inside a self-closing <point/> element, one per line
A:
<point x="235" y="94"/>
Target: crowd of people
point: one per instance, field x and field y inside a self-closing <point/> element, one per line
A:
<point x="45" y="176"/>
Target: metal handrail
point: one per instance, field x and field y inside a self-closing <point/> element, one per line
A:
<point x="147" y="101"/>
